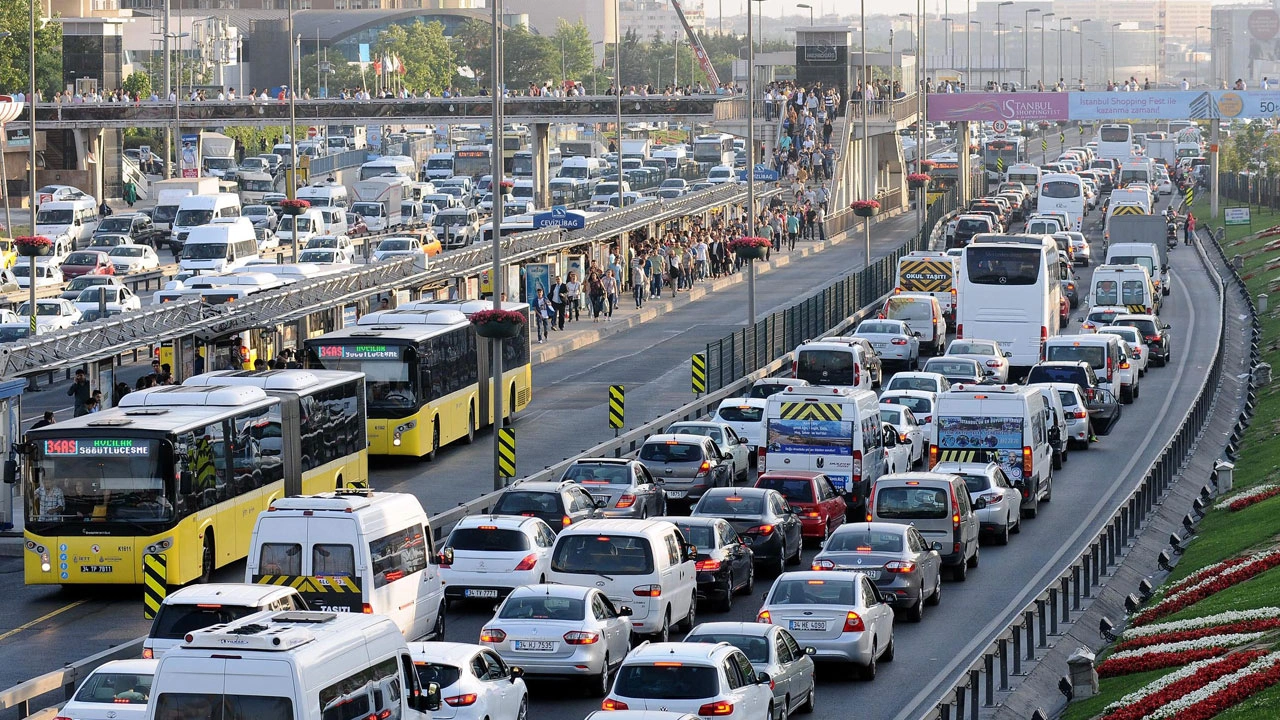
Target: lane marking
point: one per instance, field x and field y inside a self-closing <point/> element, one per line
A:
<point x="42" y="618"/>
<point x="1006" y="615"/>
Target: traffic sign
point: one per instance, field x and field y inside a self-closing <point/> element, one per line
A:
<point x="560" y="217"/>
<point x="699" y="373"/>
<point x="507" y="452"/>
<point x="616" y="401"/>
<point x="761" y="173"/>
<point x="1000" y="126"/>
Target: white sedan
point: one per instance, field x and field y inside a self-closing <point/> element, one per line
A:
<point x="133" y="258"/>
<point x="920" y="403"/>
<point x="118" y="300"/>
<point x="490" y="555"/>
<point x="118" y="689"/>
<point x="910" y="431"/>
<point x="994" y="361"/>
<point x="47" y="275"/>
<point x="473" y="682"/>
<point x="892" y="340"/>
<point x="841" y="615"/>
<point x="52" y="314"/>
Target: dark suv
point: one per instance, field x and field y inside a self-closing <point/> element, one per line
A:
<point x="1153" y="332"/>
<point x="559" y="504"/>
<point x="1104" y="408"/>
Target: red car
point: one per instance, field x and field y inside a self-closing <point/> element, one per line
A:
<point x="822" y="507"/>
<point x="87" y="262"/>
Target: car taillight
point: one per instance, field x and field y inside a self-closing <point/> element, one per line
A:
<point x="959" y="331"/>
<point x="795" y="369"/>
<point x="148" y="654"/>
<point x="764" y="617"/>
<point x="366" y="609"/>
<point x="955" y="511"/>
<point x="461" y="700"/>
<point x="719" y="707"/>
<point x="647" y="591"/>
<point x="492" y="635"/>
<point x="900" y="566"/>
<point x="926" y="419"/>
<point x="760" y="458"/>
<point x="626" y="501"/>
<point x="611" y="704"/>
<point x="704" y="468"/>
<point x="1079" y="414"/>
<point x="1137" y="352"/>
<point x="577" y="637"/>
<point x="856" y="470"/>
<point x="933" y="456"/>
<point x="1124" y="365"/>
<point x="993" y="363"/>
<point x="760" y="530"/>
<point x="1026" y="461"/>
<point x="994" y="497"/>
<point x="528" y="562"/>
<point x="857" y="372"/>
<point x="707" y="565"/>
<point x="1151" y="338"/>
<point x="1044" y="335"/>
<point x="853" y="622"/>
<point x="823" y="564"/>
<point x="566" y="521"/>
<point x="898" y="341"/>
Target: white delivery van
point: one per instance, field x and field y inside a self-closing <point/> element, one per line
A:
<point x="831" y="362"/>
<point x="307" y="225"/>
<point x="1104" y="352"/>
<point x="353" y="551"/>
<point x="325" y="193"/>
<point x="644" y="564"/>
<point x="836" y="431"/>
<point x="1145" y="254"/>
<point x="74" y="219"/>
<point x="197" y="210"/>
<point x="1127" y="285"/>
<point x="167" y="207"/>
<point x="1003" y="424"/>
<point x="289" y="665"/>
<point x="438" y="166"/>
<point x="219" y="247"/>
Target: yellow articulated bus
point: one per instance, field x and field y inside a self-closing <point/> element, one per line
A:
<point x="429" y="375"/>
<point x="180" y="471"/>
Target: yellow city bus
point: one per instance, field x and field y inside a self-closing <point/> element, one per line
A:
<point x="429" y="375"/>
<point x="176" y="471"/>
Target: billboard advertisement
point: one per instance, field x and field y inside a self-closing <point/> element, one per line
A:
<point x="190" y="156"/>
<point x="811" y="437"/>
<point x="1104" y="106"/>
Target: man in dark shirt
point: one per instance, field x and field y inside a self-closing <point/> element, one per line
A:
<point x="80" y="392"/>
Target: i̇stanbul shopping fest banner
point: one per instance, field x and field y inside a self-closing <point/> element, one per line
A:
<point x="1116" y="106"/>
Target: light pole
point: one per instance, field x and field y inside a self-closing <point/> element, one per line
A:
<point x="1081" y="26"/>
<point x="169" y="155"/>
<point x="495" y="272"/>
<point x="1062" y="21"/>
<point x="1195" y="59"/>
<point x="31" y="184"/>
<point x="751" y="160"/>
<point x="1155" y="52"/>
<point x="968" y="44"/>
<point x="1026" y="44"/>
<point x="1043" y="18"/>
<point x="807" y="6"/>
<point x="291" y="187"/>
<point x="1113" y="50"/>
<point x="979" y="24"/>
<point x="948" y="42"/>
<point x="4" y="177"/>
<point x="999" y="43"/>
<point x="868" y="187"/>
<point x="177" y="102"/>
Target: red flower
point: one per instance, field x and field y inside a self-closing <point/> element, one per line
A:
<point x="1223" y="581"/>
<point x="33" y="241"/>
<point x="1111" y="667"/>
<point x="1206" y="675"/>
<point x="1245" y="502"/>
<point x="919" y="177"/>
<point x="506" y="184"/>
<point x="1245" y="626"/>
<point x="927" y="164"/>
<point x="488" y="316"/>
<point x="748" y="241"/>
<point x="298" y="205"/>
<point x="1241" y="689"/>
<point x="865" y="204"/>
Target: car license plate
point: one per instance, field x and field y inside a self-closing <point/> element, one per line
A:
<point x="538" y="645"/>
<point x="480" y="593"/>
<point x="96" y="569"/>
<point x="808" y="624"/>
<point x="675" y="494"/>
<point x="871" y="574"/>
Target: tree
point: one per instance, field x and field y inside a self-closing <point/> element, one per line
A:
<point x="15" y="18"/>
<point x="138" y="84"/>
<point x="344" y="75"/>
<point x="429" y="61"/>
<point x="472" y="41"/>
<point x="154" y="66"/>
<point x="573" y="44"/>
<point x="528" y="58"/>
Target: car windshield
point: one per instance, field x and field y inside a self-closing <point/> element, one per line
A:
<point x="826" y="367"/>
<point x="976" y="483"/>
<point x="908" y="309"/>
<point x="743" y="413"/>
<point x="393" y="244"/>
<point x="702" y="536"/>
<point x="730" y="505"/>
<point x="912" y="383"/>
<point x="1055" y="373"/>
<point x="710" y="431"/>
<point x="599" y="474"/>
<point x="833" y="591"/>
<point x="964" y="347"/>
<point x="671" y="451"/>
<point x="793" y="489"/>
<point x="115" y="688"/>
<point x="543" y="607"/>
<point x="257" y="210"/>
<point x="891" y="415"/>
<point x="755" y="647"/>
<point x="367" y="209"/>
<point x="866" y="541"/>
<point x="879" y="328"/>
<point x="1146" y="327"/>
<point x="120" y="224"/>
<point x="911" y="503"/>
<point x="951" y="368"/>
<point x="1095" y="355"/>
<point x="761" y="391"/>
<point x="594" y="554"/>
<point x="322" y="242"/>
<point x="674" y="681"/>
<point x="54" y="217"/>
<point x="192" y="218"/>
<point x="43" y="309"/>
<point x="216" y="706"/>
<point x="519" y="502"/>
<point x="81" y="259"/>
<point x="127" y="251"/>
<point x="173" y="622"/>
<point x="92" y="294"/>
<point x="1069" y="398"/>
<point x="488" y="539"/>
<point x="1003" y="265"/>
<point x="919" y="406"/>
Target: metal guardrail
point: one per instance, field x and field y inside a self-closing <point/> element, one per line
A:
<point x="67" y="679"/>
<point x="1032" y="626"/>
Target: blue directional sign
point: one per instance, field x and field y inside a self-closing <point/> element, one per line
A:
<point x="762" y="174"/>
<point x="560" y="217"/>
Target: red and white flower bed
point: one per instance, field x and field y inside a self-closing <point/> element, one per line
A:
<point x="1252" y="496"/>
<point x="1209" y="581"/>
<point x="1222" y="693"/>
<point x="1172" y="654"/>
<point x="1245" y="626"/>
<point x="1151" y="697"/>
<point x="1208" y="621"/>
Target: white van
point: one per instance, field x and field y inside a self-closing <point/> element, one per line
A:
<point x="75" y="219"/>
<point x="353" y="551"/>
<point x="197" y="210"/>
<point x="201" y="606"/>
<point x="1004" y="424"/>
<point x="1148" y="256"/>
<point x="645" y="564"/>
<point x="309" y="224"/>
<point x="438" y="166"/>
<point x="1104" y="352"/>
<point x="836" y="431"/>
<point x="1127" y="285"/>
<point x="286" y="665"/>
<point x="219" y="247"/>
<point x="831" y="362"/>
<point x="325" y="193"/>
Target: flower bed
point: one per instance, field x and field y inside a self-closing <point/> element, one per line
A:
<point x="1223" y="692"/>
<point x="1252" y="496"/>
<point x="1156" y="694"/>
<point x="1233" y="572"/>
<point x="1169" y="654"/>
<point x="1208" y="621"/>
<point x="1247" y="626"/>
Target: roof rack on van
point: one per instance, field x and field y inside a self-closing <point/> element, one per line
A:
<point x="277" y="633"/>
<point x="340" y="501"/>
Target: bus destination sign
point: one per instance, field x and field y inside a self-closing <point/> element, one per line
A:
<point x="99" y="447"/>
<point x="358" y="352"/>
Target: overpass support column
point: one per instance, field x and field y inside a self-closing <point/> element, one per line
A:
<point x="541" y="166"/>
<point x="962" y="163"/>
<point x="1214" y="136"/>
<point x="89" y="145"/>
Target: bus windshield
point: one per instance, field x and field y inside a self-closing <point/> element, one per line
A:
<point x="997" y="265"/>
<point x="99" y="479"/>
<point x="1060" y="189"/>
<point x="388" y="384"/>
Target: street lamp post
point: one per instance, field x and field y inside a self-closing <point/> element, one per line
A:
<point x="31" y="184"/>
<point x="979" y="24"/>
<point x="807" y="6"/>
<point x="751" y="157"/>
<point x="1195" y="60"/>
<point x="1155" y="52"/>
<point x="1082" y="22"/>
<point x="177" y="103"/>
<point x="968" y="45"/>
<point x="495" y="272"/>
<point x="4" y="177"/>
<point x="999" y="43"/>
<point x="1062" y="21"/>
<point x="1026" y="44"/>
<point x="1043" y="18"/>
<point x="948" y="42"/>
<point x="1113" y="50"/>
<point x="867" y="186"/>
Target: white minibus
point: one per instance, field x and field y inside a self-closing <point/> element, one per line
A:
<point x="197" y="210"/>
<point x="219" y="247"/>
<point x="1064" y="193"/>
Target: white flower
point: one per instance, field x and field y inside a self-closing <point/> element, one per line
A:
<point x="1213" y="641"/>
<point x="1172" y="708"/>
<point x="1247" y="494"/>
<point x="1160" y="683"/>
<point x="1218" y="569"/>
<point x="1223" y="618"/>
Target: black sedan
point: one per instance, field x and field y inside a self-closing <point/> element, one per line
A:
<point x="762" y="517"/>
<point x="725" y="564"/>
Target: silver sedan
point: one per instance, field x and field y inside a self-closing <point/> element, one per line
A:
<point x="561" y="631"/>
<point x="994" y="361"/>
<point x="841" y="615"/>
<point x="624" y="486"/>
<point x="773" y="651"/>
<point x="893" y="341"/>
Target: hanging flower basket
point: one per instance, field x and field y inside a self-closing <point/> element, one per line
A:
<point x="865" y="208"/>
<point x="750" y="247"/>
<point x="927" y="165"/>
<point x="33" y="245"/>
<point x="294" y="207"/>
<point x="918" y="180"/>
<point x="497" y="324"/>
<point x="506" y="185"/>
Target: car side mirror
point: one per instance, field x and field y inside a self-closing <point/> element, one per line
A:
<point x="937" y="547"/>
<point x="445" y="557"/>
<point x="185" y="482"/>
<point x="601" y="504"/>
<point x="795" y="510"/>
<point x="979" y="504"/>
<point x="690" y="551"/>
<point x="660" y="481"/>
<point x="433" y="697"/>
<point x="516" y="673"/>
<point x="1167" y="326"/>
<point x="762" y="679"/>
<point x="810" y="650"/>
<point x="916" y="334"/>
<point x="625" y="611"/>
<point x="1007" y="354"/>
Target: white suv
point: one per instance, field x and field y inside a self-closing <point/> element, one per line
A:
<point x="703" y="678"/>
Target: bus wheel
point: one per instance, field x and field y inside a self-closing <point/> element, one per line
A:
<point x="207" y="555"/>
<point x="511" y="407"/>
<point x="435" y="440"/>
<point x="471" y="425"/>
